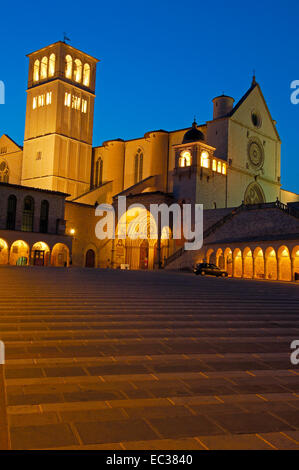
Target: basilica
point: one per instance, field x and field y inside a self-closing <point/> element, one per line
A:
<point x="51" y="185"/>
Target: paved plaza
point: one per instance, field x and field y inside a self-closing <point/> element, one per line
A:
<point x="100" y="359"/>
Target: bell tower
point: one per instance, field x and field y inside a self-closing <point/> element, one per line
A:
<point x="59" y="119"/>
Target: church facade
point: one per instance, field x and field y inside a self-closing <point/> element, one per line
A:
<point x="228" y="162"/>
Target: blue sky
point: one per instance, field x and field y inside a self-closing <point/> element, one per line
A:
<point x="162" y="62"/>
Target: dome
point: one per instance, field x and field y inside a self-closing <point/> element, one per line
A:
<point x="193" y="135"/>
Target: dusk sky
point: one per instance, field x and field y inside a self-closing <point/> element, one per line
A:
<point x="162" y="62"/>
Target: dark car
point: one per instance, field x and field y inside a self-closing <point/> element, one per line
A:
<point x="210" y="270"/>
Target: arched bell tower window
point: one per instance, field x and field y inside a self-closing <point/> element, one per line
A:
<point x="52" y="65"/>
<point x="4" y="172"/>
<point x="99" y="172"/>
<point x="36" y="71"/>
<point x="78" y="70"/>
<point x="138" y="166"/>
<point x="28" y="214"/>
<point x="44" y="68"/>
<point x="11" y="212"/>
<point x="86" y="75"/>
<point x="68" y="66"/>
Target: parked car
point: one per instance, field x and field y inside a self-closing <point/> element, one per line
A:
<point x="210" y="270"/>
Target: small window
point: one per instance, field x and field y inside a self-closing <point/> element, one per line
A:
<point x="49" y="97"/>
<point x="99" y="173"/>
<point x="223" y="168"/>
<point x="11" y="212"/>
<point x="38" y="155"/>
<point x="28" y="214"/>
<point x="214" y="165"/>
<point x="219" y="167"/>
<point x="84" y="106"/>
<point x="44" y="215"/>
<point x="138" y="166"/>
<point x="67" y="99"/>
<point x="34" y="103"/>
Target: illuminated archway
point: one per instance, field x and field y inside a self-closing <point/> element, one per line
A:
<point x="60" y="255"/>
<point x="271" y="263"/>
<point x="220" y="258"/>
<point x="40" y="254"/>
<point x="284" y="264"/>
<point x="3" y="252"/>
<point x="259" y="263"/>
<point x="238" y="264"/>
<point x="295" y="260"/>
<point x="209" y="256"/>
<point x="248" y="263"/>
<point x="19" y="253"/>
<point x="228" y="261"/>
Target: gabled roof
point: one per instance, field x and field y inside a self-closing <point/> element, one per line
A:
<point x="9" y="138"/>
<point x="248" y="92"/>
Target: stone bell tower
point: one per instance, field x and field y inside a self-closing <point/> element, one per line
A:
<point x="59" y="119"/>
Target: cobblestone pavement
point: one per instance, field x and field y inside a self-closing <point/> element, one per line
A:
<point x="148" y="360"/>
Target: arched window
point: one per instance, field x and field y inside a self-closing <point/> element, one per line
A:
<point x="138" y="166"/>
<point x="185" y="159"/>
<point x="28" y="214"/>
<point x="36" y="71"/>
<point x="52" y="65"/>
<point x="11" y="212"/>
<point x="86" y="75"/>
<point x="68" y="66"/>
<point x="78" y="70"/>
<point x="99" y="172"/>
<point x="44" y="68"/>
<point x="44" y="215"/>
<point x="204" y="160"/>
<point x="4" y="172"/>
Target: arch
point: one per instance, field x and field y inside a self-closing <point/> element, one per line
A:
<point x="295" y="260"/>
<point x="254" y="194"/>
<point x="220" y="258"/>
<point x="86" y="75"/>
<point x="3" y="251"/>
<point x="258" y="263"/>
<point x="138" y="166"/>
<point x="28" y="214"/>
<point x="228" y="261"/>
<point x="44" y="216"/>
<point x="11" y="212"/>
<point x="247" y="263"/>
<point x="4" y="172"/>
<point x="77" y="70"/>
<point x="19" y="253"/>
<point x="52" y="60"/>
<point x="36" y="70"/>
<point x="284" y="264"/>
<point x="185" y="158"/>
<point x="60" y="255"/>
<point x="90" y="258"/>
<point x="44" y="68"/>
<point x="271" y="263"/>
<point x="238" y="263"/>
<point x="40" y="254"/>
<point x="99" y="172"/>
<point x="209" y="254"/>
<point x="68" y="66"/>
